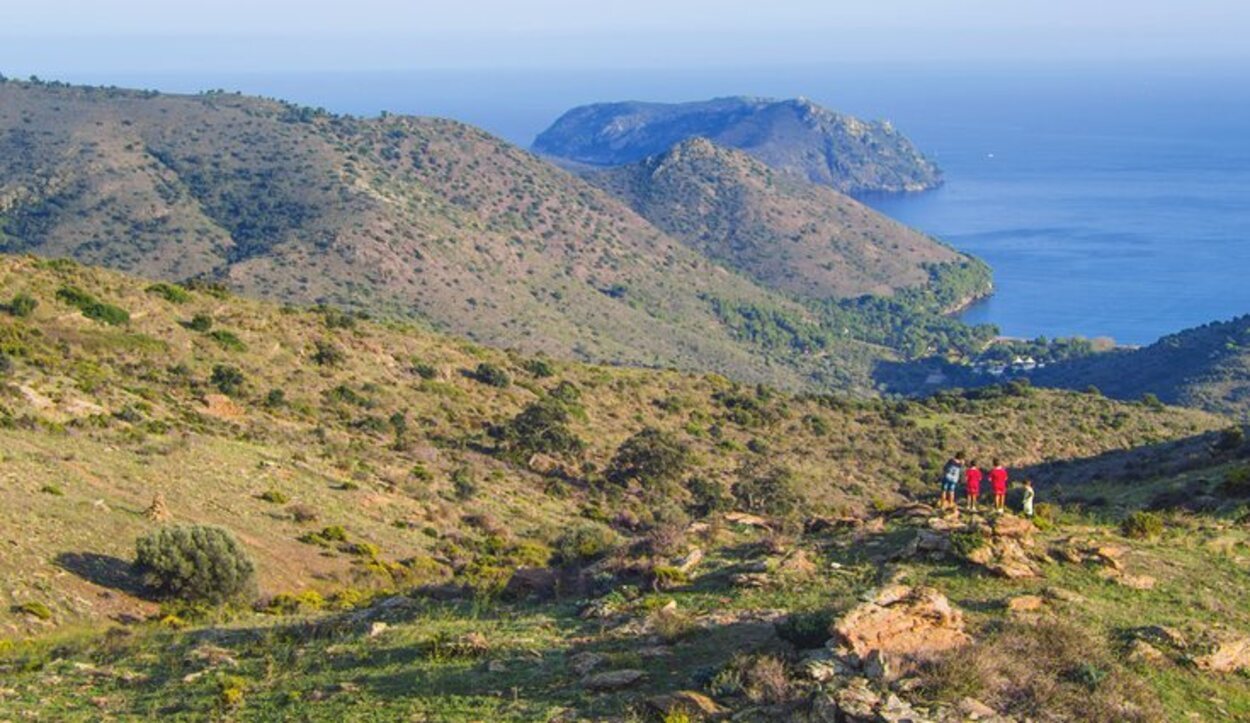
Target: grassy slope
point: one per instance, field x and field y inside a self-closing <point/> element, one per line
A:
<point x="1206" y="367"/>
<point x="401" y="216"/>
<point x="787" y="234"/>
<point x="112" y="415"/>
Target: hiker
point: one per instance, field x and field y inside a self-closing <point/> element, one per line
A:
<point x="972" y="478"/>
<point x="1028" y="498"/>
<point x="952" y="473"/>
<point x="998" y="481"/>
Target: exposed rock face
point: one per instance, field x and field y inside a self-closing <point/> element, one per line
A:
<point x="902" y="624"/>
<point x="613" y="679"/>
<point x="796" y="137"/>
<point x="1228" y="656"/>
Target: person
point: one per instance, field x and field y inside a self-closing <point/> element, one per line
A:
<point x="952" y="473"/>
<point x="998" y="480"/>
<point x="972" y="478"/>
<point x="1028" y="498"/>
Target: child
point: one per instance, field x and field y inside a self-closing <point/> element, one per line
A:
<point x="973" y="480"/>
<point x="951" y="474"/>
<point x="998" y="480"/>
<point x="1028" y="498"/>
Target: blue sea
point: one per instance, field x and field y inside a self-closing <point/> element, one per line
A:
<point x="1110" y="200"/>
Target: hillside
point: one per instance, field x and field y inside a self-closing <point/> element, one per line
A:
<point x="785" y="233"/>
<point x="277" y="423"/>
<point x="1206" y="367"/>
<point x="398" y="216"/>
<point x="795" y="137"/>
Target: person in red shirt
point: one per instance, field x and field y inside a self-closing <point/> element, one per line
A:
<point x="972" y="478"/>
<point x="998" y="480"/>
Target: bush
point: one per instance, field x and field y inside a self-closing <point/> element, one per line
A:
<point x="326" y="354"/>
<point x="35" y="609"/>
<point x="228" y="380"/>
<point x="228" y="340"/>
<point x="491" y="375"/>
<point x="22" y="306"/>
<point x="966" y="542"/>
<point x="274" y="496"/>
<point x="91" y="307"/>
<point x="653" y="457"/>
<point x="1142" y="525"/>
<point x="708" y="497"/>
<point x="195" y="563"/>
<point x="1231" y="439"/>
<point x="806" y="630"/>
<point x="770" y="491"/>
<point x="52" y="490"/>
<point x="539" y="368"/>
<point x="199" y="322"/>
<point x="302" y="513"/>
<point x="462" y="483"/>
<point x="584" y="543"/>
<point x="275" y="398"/>
<point x="1236" y="483"/>
<point x="425" y="371"/>
<point x="172" y="293"/>
<point x="541" y="427"/>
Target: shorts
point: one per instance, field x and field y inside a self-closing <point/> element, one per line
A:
<point x="1000" y="490"/>
<point x="974" y="490"/>
<point x="949" y="487"/>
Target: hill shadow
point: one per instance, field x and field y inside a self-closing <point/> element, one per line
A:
<point x="103" y="570"/>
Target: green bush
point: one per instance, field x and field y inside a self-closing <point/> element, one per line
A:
<point x="807" y="629"/>
<point x="653" y="457"/>
<point x="274" y="496"/>
<point x="463" y="485"/>
<point x="91" y="307"/>
<point x="52" y="490"/>
<point x="541" y="427"/>
<point x="199" y="322"/>
<point x="768" y="490"/>
<point x="35" y="609"/>
<point x="708" y="497"/>
<point x="22" y="305"/>
<point x="425" y="371"/>
<point x="540" y="368"/>
<point x="584" y="543"/>
<point x="491" y="375"/>
<point x="195" y="563"/>
<point x="1236" y="482"/>
<point x="965" y="542"/>
<point x="326" y="354"/>
<point x="227" y="340"/>
<point x="172" y="293"/>
<point x="228" y="380"/>
<point x="1142" y="525"/>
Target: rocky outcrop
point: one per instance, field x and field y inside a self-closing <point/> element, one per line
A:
<point x="901" y="624"/>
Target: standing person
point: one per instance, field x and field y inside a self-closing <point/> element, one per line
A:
<point x="1028" y="498"/>
<point x="952" y="473"/>
<point x="998" y="480"/>
<point x="972" y="478"/>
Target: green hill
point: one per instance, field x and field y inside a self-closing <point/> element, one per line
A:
<point x="795" y="137"/>
<point x="1206" y="367"/>
<point x="276" y="423"/>
<point x="410" y="217"/>
<point x="787" y="234"/>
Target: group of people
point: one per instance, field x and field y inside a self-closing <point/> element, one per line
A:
<point x="970" y="474"/>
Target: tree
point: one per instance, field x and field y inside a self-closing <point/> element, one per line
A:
<point x="196" y="563"/>
<point x="768" y="490"/>
<point x="653" y="457"/>
<point x="541" y="427"/>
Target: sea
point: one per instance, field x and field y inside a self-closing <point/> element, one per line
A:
<point x="1111" y="200"/>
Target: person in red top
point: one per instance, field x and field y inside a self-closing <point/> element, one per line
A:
<point x="998" y="480"/>
<point x="972" y="478"/>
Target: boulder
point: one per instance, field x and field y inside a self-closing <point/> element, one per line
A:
<point x="1025" y="603"/>
<point x="743" y="518"/>
<point x="1139" y="651"/>
<point x="1012" y="527"/>
<point x="902" y="624"/>
<point x="973" y="709"/>
<point x="583" y="663"/>
<point x="613" y="679"/>
<point x="857" y="702"/>
<point x="688" y="702"/>
<point x="1229" y="656"/>
<point x="896" y="710"/>
<point x="531" y="582"/>
<point x="692" y="558"/>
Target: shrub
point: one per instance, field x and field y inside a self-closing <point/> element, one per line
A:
<point x="653" y="457"/>
<point x="52" y="490"/>
<point x="541" y="427"/>
<point x="584" y="543"/>
<point x="1231" y="439"/>
<point x="770" y="491"/>
<point x="35" y="609"/>
<point x="491" y="375"/>
<point x="1142" y="525"/>
<point x="22" y="305"/>
<point x="463" y="484"/>
<point x="539" y="368"/>
<point x="199" y="322"/>
<point x="195" y="563"/>
<point x="666" y="577"/>
<point x="806" y="630"/>
<point x="172" y="293"/>
<point x="425" y="371"/>
<point x="275" y="398"/>
<point x="965" y="542"/>
<point x="1151" y="401"/>
<point x="228" y="340"/>
<point x="326" y="354"/>
<point x="274" y="496"/>
<point x="302" y="513"/>
<point x="91" y="307"/>
<point x="671" y="625"/>
<point x="1236" y="482"/>
<point x="708" y="497"/>
<point x="228" y="379"/>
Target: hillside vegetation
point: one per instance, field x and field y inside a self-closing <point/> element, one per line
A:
<point x="398" y="216"/>
<point x="438" y="459"/>
<point x="795" y="137"/>
<point x="787" y="234"/>
<point x="1206" y="367"/>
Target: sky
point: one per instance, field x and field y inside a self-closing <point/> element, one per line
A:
<point x="52" y="37"/>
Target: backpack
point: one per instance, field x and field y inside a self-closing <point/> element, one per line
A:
<point x="952" y="472"/>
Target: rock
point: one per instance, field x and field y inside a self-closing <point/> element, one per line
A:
<point x="824" y="709"/>
<point x="876" y="667"/>
<point x="742" y="518"/>
<point x="914" y="625"/>
<point x="890" y="594"/>
<point x="1010" y="560"/>
<point x="583" y="663"/>
<point x="1012" y="527"/>
<point x="613" y="679"/>
<point x="973" y="709"/>
<point x="1064" y="595"/>
<point x="1137" y="582"/>
<point x="750" y="579"/>
<point x="796" y="564"/>
<point x="1228" y="656"/>
<point x="1067" y="552"/>
<point x="930" y="541"/>
<point x="496" y="666"/>
<point x="896" y="710"/>
<point x="687" y="563"/>
<point x="912" y="511"/>
<point x="377" y="629"/>
<point x="857" y="702"/>
<point x="158" y="511"/>
<point x="1162" y="635"/>
<point x="1109" y="555"/>
<point x="212" y="655"/>
<point x="875" y="526"/>
<point x="688" y="702"/>
<point x="1139" y="651"/>
<point x="1025" y="604"/>
<point x="531" y="582"/>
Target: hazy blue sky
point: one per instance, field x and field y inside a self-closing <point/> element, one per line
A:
<point x="51" y="36"/>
